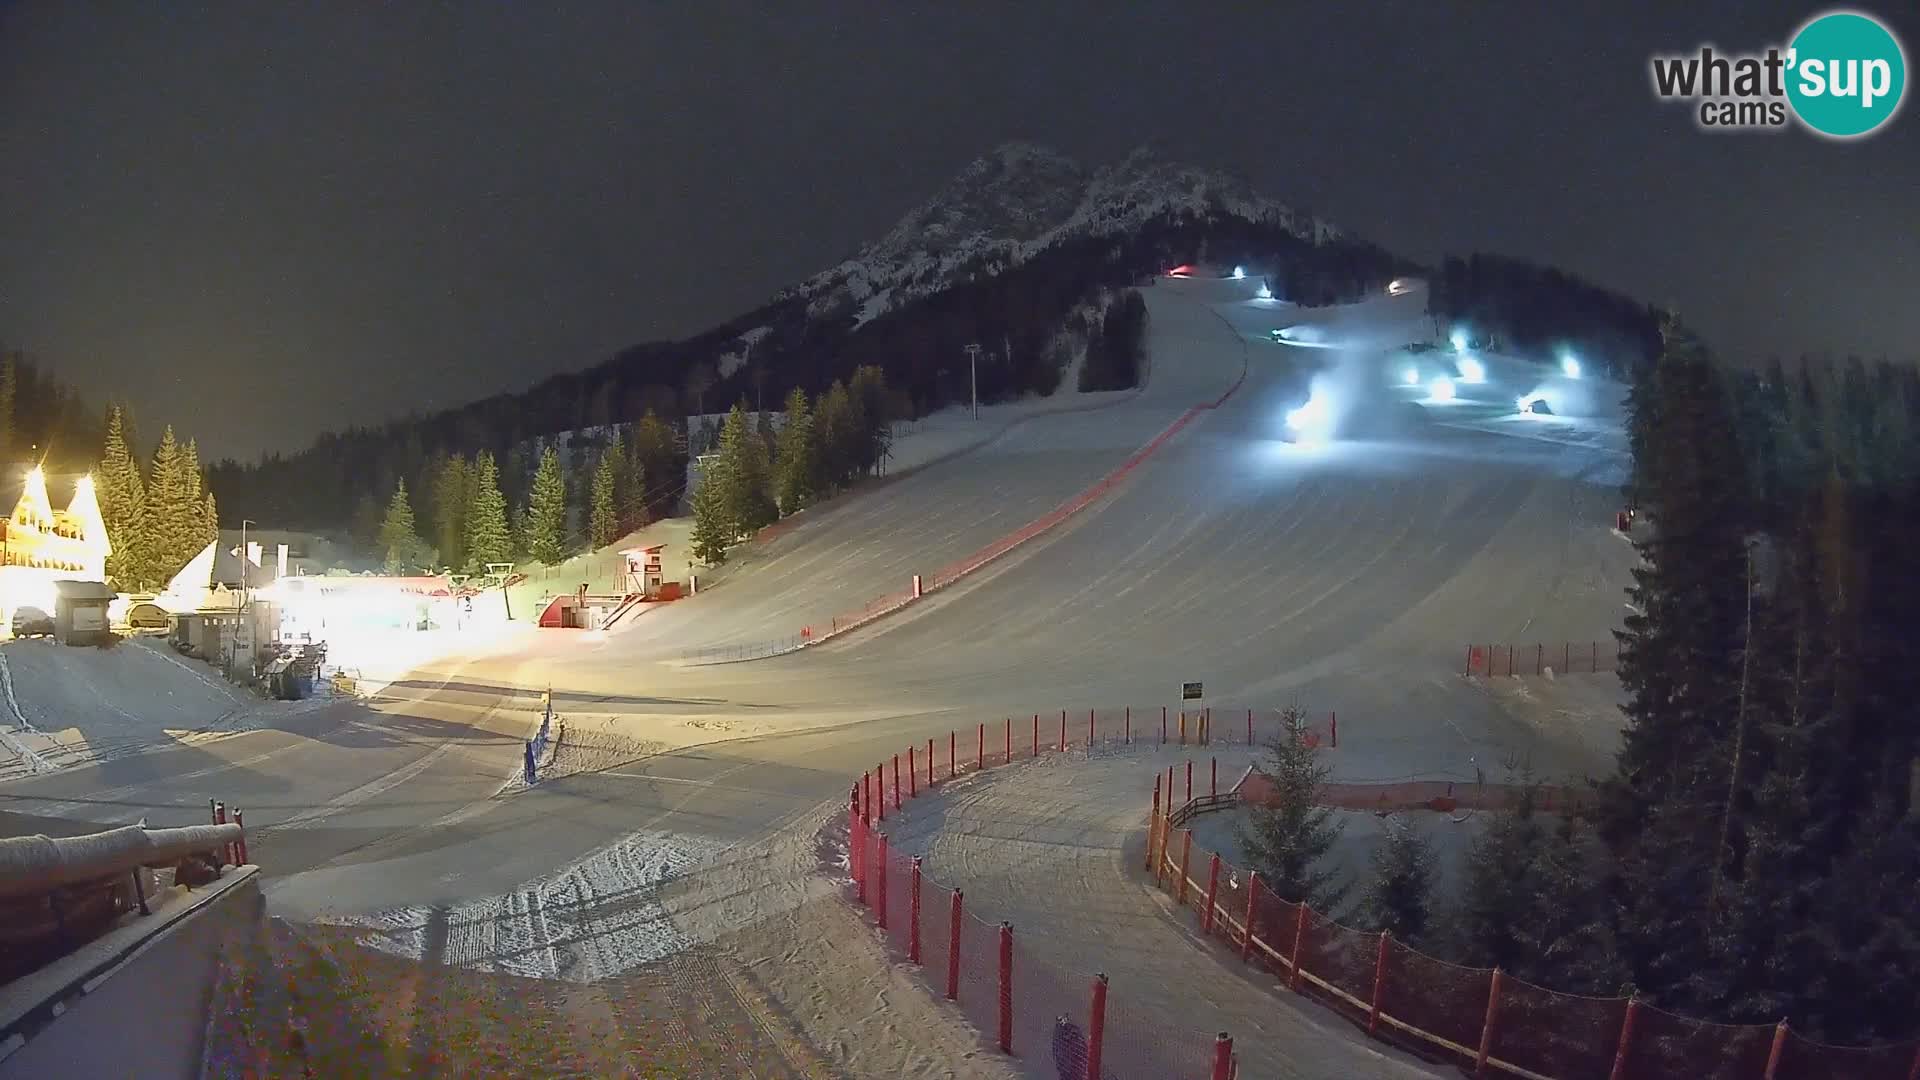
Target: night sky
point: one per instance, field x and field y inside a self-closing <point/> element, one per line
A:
<point x="259" y="224"/>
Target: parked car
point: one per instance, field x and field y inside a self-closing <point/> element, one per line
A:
<point x="32" y="622"/>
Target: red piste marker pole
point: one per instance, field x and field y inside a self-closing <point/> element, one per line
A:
<point x="953" y="760"/>
<point x="1006" y="988"/>
<point x="1009" y="740"/>
<point x="1036" y="736"/>
<point x="1096" y="1026"/>
<point x="896" y="782"/>
<point x="1127" y="731"/>
<point x="1213" y="785"/>
<point x="929" y="764"/>
<point x="1089" y="729"/>
<point x="980" y="749"/>
<point x="913" y="776"/>
<point x="1189" y="779"/>
<point x="880" y="789"/>
<point x="1333" y="728"/>
<point x="1163" y="725"/>
<point x="913" y="927"/>
<point x="953" y="946"/>
<point x="1063" y="731"/>
<point x="1249" y="727"/>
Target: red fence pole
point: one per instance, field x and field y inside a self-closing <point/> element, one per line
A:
<point x="1153" y="822"/>
<point x="913" y="776"/>
<point x="1379" y="983"/>
<point x="1063" y="731"/>
<point x="1778" y="1049"/>
<point x="1566" y="657"/>
<point x="1036" y="736"/>
<point x="1009" y="760"/>
<point x="980" y="750"/>
<point x="880" y="900"/>
<point x="1539" y="657"/>
<point x="1333" y="729"/>
<point x="1222" y="1057"/>
<point x="1299" y="936"/>
<point x="913" y="914"/>
<point x="1006" y="988"/>
<point x="1469" y="668"/>
<point x="1213" y="785"/>
<point x="1089" y="729"/>
<point x="1253" y="894"/>
<point x="1189" y="779"/>
<point x="240" y="845"/>
<point x="1510" y="668"/>
<point x="1249" y="727"/>
<point x="1626" y="1041"/>
<point x="880" y="789"/>
<point x="1186" y="861"/>
<point x="1486" y="1028"/>
<point x="1183" y="727"/>
<point x="1163" y="725"/>
<point x="929" y="764"/>
<point x="1096" y="1026"/>
<point x="1127" y="728"/>
<point x="953" y="759"/>
<point x="1594" y="664"/>
<point x="896" y="782"/>
<point x="953" y="946"/>
<point x="1213" y="891"/>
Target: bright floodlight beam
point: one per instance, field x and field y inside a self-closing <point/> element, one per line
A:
<point x="1411" y="376"/>
<point x="1459" y="339"/>
<point x="1265" y="292"/>
<point x="1569" y="365"/>
<point x="1441" y="389"/>
<point x="1239" y="272"/>
<point x="1472" y="370"/>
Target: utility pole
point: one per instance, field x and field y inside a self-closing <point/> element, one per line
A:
<point x="973" y="376"/>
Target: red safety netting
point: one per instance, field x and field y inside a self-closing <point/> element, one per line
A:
<point x="1505" y="658"/>
<point x="1667" y="1045"/>
<point x="1804" y="1059"/>
<point x="1434" y="996"/>
<point x="980" y="975"/>
<point x="1141" y="1045"/>
<point x="1566" y="1036"/>
<point x="1342" y="958"/>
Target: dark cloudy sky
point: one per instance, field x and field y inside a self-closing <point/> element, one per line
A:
<point x="260" y="220"/>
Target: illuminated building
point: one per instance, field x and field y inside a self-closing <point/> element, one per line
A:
<point x="40" y="545"/>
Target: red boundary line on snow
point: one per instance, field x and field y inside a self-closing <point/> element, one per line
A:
<point x="955" y="571"/>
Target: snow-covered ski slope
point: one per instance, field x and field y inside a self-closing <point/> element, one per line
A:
<point x="836" y="556"/>
<point x="1351" y="573"/>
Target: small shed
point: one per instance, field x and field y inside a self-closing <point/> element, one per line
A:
<point x="80" y="612"/>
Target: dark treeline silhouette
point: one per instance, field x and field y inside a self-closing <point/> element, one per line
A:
<point x="1016" y="314"/>
<point x="1762" y="821"/>
<point x="1539" y="311"/>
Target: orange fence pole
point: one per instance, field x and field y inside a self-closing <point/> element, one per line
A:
<point x="1096" y="1026"/>
<point x="1186" y="861"/>
<point x="1253" y="894"/>
<point x="1213" y="891"/>
<point x="1153" y="821"/>
<point x="1775" y="1052"/>
<point x="1626" y="1041"/>
<point x="1183" y="727"/>
<point x="1006" y="988"/>
<point x="1222" y="1057"/>
<point x="913" y="927"/>
<point x="1379" y="983"/>
<point x="880" y="900"/>
<point x="953" y="945"/>
<point x="1486" y="1028"/>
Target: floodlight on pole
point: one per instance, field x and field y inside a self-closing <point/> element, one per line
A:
<point x="1570" y="365"/>
<point x="1459" y="339"/>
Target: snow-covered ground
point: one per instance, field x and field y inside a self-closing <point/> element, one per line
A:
<point x="64" y="707"/>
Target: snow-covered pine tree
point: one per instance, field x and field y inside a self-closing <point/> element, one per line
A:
<point x="121" y="492"/>
<point x="603" y="518"/>
<point x="1286" y="838"/>
<point x="488" y="539"/>
<point x="797" y="462"/>
<point x="399" y="542"/>
<point x="546" y="528"/>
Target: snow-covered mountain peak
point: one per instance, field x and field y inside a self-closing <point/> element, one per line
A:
<point x="1021" y="198"/>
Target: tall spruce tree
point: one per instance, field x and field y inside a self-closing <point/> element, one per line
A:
<point x="452" y="496"/>
<point x="603" y="519"/>
<point x="546" y="527"/>
<point x="745" y="475"/>
<point x="1286" y="839"/>
<point x="1399" y="895"/>
<point x="656" y="464"/>
<point x="797" y="461"/>
<point x="838" y="435"/>
<point x="175" y="508"/>
<point x="399" y="542"/>
<point x="1680" y="664"/>
<point x="123" y="507"/>
<point x="488" y="539"/>
<point x="713" y="525"/>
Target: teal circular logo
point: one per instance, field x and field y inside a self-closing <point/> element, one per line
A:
<point x="1846" y="74"/>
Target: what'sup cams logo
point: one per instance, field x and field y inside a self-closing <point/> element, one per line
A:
<point x="1842" y="76"/>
